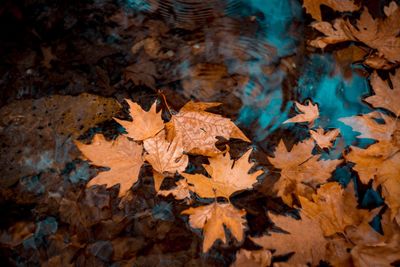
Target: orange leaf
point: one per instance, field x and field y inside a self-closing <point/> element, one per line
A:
<point x="309" y="113"/>
<point x="165" y="157"/>
<point x="212" y="219"/>
<point x="301" y="171"/>
<point x="123" y="157"/>
<point x="305" y="238"/>
<point x="199" y="129"/>
<point x="144" y="124"/>
<point x="227" y="176"/>
<point x="313" y="6"/>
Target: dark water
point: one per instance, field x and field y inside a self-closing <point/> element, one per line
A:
<point x="258" y="50"/>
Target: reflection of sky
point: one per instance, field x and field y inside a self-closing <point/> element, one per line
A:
<point x="278" y="18"/>
<point x="262" y="96"/>
<point x="336" y="97"/>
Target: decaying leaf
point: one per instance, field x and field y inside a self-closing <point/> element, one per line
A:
<point x="199" y="129"/>
<point x="144" y="124"/>
<point x="38" y="134"/>
<point x="309" y="113"/>
<point x="165" y="157"/>
<point x="385" y="97"/>
<point x="305" y="238"/>
<point x="380" y="34"/>
<point x="301" y="171"/>
<point x="123" y="157"/>
<point x="212" y="219"/>
<point x="253" y="258"/>
<point x="324" y="139"/>
<point x="313" y="6"/>
<point x="334" y="208"/>
<point x="227" y="176"/>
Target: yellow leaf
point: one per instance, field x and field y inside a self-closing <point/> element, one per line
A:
<point x="144" y="124"/>
<point x="199" y="129"/>
<point x="227" y="176"/>
<point x="123" y="157"/>
<point x="305" y="238"/>
<point x="301" y="171"/>
<point x="212" y="219"/>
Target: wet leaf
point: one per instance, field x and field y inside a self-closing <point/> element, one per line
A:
<point x="227" y="176"/>
<point x="199" y="129"/>
<point x="123" y="157"/>
<point x="212" y="219"/>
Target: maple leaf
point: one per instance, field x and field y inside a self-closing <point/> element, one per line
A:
<point x="227" y="176"/>
<point x="144" y="124"/>
<point x="305" y="238"/>
<point x="334" y="208"/>
<point x="301" y="171"/>
<point x="199" y="128"/>
<point x="374" y="125"/>
<point x="165" y="157"/>
<point x="381" y="160"/>
<point x="380" y="34"/>
<point x="212" y="219"/>
<point x="313" y="6"/>
<point x="253" y="258"/>
<point x="123" y="157"/>
<point x="181" y="191"/>
<point x="385" y="97"/>
<point x="374" y="249"/>
<point x="324" y="139"/>
<point x="309" y="113"/>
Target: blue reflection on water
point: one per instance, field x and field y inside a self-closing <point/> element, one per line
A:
<point x="335" y="96"/>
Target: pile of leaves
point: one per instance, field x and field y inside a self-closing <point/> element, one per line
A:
<point x="176" y="184"/>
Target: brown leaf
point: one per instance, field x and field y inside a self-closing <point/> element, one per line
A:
<point x="334" y="208"/>
<point x="253" y="258"/>
<point x="181" y="191"/>
<point x="301" y="171"/>
<point x="309" y="113"/>
<point x="324" y="139"/>
<point x="212" y="219"/>
<point x="165" y="157"/>
<point x="380" y="34"/>
<point x="369" y="127"/>
<point x="381" y="160"/>
<point x="385" y="97"/>
<point x="144" y="124"/>
<point x="199" y="128"/>
<point x="313" y="6"/>
<point x="227" y="176"/>
<point x="123" y="157"/>
<point x="305" y="238"/>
